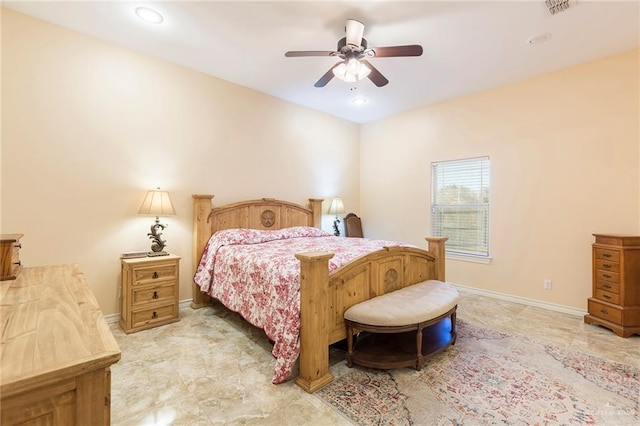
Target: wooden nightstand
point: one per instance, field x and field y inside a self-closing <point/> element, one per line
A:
<point x="149" y="292"/>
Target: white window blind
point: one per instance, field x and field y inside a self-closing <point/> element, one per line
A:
<point x="460" y="205"/>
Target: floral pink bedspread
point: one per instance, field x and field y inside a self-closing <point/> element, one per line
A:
<point x="256" y="274"/>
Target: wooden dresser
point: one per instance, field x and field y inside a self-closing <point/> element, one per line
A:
<point x="149" y="292"/>
<point x="615" y="302"/>
<point x="56" y="350"/>
<point x="10" y="264"/>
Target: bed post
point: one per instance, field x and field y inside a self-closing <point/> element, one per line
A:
<point x="201" y="233"/>
<point x="436" y="249"/>
<point x="314" y="319"/>
<point x="316" y="207"/>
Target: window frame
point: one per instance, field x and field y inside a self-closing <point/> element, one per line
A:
<point x="480" y="166"/>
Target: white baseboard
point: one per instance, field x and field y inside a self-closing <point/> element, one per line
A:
<point x="523" y="300"/>
<point x="115" y="318"/>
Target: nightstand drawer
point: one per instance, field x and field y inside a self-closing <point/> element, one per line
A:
<point x="156" y="314"/>
<point x="148" y="274"/>
<point x="613" y="277"/>
<point x="607" y="265"/>
<point x="156" y="294"/>
<point x="607" y="296"/>
<point x="605" y="312"/>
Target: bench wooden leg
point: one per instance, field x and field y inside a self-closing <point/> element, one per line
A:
<point x="420" y="358"/>
<point x="349" y="344"/>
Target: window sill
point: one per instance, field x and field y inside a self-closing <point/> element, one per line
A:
<point x="468" y="258"/>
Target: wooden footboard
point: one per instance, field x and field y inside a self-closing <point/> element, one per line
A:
<point x="323" y="298"/>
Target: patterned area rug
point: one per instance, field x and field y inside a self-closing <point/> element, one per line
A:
<point x="488" y="378"/>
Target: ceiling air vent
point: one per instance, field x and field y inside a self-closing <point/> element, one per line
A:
<point x="557" y="6"/>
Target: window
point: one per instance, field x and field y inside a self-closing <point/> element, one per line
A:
<point x="460" y="205"/>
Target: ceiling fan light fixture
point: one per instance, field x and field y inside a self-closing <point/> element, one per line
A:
<point x="351" y="71"/>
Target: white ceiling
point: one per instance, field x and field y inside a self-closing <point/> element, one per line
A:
<point x="469" y="46"/>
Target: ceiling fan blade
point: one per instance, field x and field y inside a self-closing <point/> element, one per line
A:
<point x="298" y="53"/>
<point x="327" y="76"/>
<point x="392" y="51"/>
<point x="375" y="76"/>
<point x="355" y="31"/>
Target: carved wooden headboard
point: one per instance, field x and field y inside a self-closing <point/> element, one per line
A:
<point x="265" y="213"/>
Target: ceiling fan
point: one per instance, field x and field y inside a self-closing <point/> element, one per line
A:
<point x="353" y="50"/>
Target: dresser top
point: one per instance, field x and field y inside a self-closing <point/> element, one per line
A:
<point x="10" y="238"/>
<point x="52" y="328"/>
<point x="618" y="239"/>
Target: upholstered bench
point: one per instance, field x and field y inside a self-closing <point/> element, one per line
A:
<point x="411" y="309"/>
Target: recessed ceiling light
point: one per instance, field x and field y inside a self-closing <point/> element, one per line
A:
<point x="359" y="100"/>
<point x="539" y="38"/>
<point x="149" y="15"/>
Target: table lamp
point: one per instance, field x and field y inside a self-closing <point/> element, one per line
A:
<point x="336" y="208"/>
<point x="157" y="203"/>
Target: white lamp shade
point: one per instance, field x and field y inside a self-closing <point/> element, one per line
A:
<point x="157" y="203"/>
<point x="337" y="206"/>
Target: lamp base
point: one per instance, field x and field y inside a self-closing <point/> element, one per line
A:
<point x="336" y="229"/>
<point x="157" y="253"/>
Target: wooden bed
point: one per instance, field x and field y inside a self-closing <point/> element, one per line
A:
<point x="323" y="298"/>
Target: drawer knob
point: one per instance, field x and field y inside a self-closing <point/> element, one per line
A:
<point x="155" y="275"/>
<point x="606" y="286"/>
<point x="602" y="311"/>
<point x="606" y="296"/>
<point x="19" y="263"/>
<point x="19" y="245"/>
<point x="606" y="275"/>
<point x="606" y="255"/>
<point x="155" y="295"/>
<point x="154" y="315"/>
<point x="606" y="265"/>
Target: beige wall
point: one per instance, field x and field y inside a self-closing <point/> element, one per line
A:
<point x="564" y="150"/>
<point x="88" y="127"/>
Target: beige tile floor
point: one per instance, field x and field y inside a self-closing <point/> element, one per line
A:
<point x="213" y="368"/>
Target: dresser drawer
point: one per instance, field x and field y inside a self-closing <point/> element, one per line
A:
<point x="607" y="296"/>
<point x="613" y="277"/>
<point x="16" y="264"/>
<point x="605" y="312"/>
<point x="607" y="265"/>
<point x="154" y="314"/>
<point x="607" y="286"/>
<point x="148" y="274"/>
<point x="606" y="254"/>
<point x="10" y="265"/>
<point x="156" y="294"/>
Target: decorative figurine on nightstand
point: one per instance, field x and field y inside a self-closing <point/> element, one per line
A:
<point x="158" y="244"/>
<point x="336" y="208"/>
<point x="157" y="203"/>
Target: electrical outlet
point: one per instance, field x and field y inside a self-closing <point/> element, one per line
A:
<point x="548" y="285"/>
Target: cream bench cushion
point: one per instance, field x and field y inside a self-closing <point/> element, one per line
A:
<point x="414" y="304"/>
